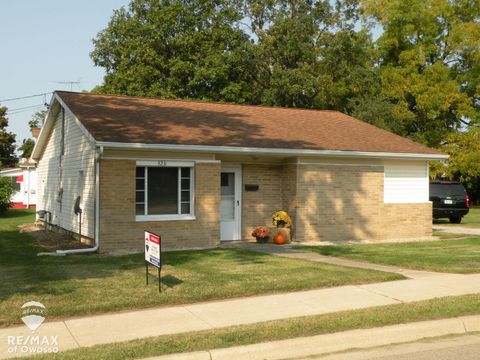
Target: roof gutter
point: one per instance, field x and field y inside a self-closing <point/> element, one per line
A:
<point x="270" y="151"/>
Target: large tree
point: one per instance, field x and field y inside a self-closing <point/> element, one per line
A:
<point x="429" y="57"/>
<point x="176" y="49"/>
<point x="296" y="53"/>
<point x="7" y="142"/>
<point x="314" y="55"/>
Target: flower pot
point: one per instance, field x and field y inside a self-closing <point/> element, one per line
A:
<point x="35" y="132"/>
<point x="262" y="240"/>
<point x="279" y="239"/>
<point x="281" y="224"/>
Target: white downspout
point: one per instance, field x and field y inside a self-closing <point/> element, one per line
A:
<point x="97" y="212"/>
<point x="28" y="188"/>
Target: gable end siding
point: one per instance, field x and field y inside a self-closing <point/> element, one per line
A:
<point x="74" y="172"/>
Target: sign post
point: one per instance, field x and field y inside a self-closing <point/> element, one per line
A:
<point x="153" y="254"/>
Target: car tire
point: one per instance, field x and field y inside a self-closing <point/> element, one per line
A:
<point x="455" y="219"/>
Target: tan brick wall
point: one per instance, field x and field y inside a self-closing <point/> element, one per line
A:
<point x="326" y="202"/>
<point x="346" y="203"/>
<point x="120" y="231"/>
<point x="277" y="191"/>
<point x="258" y="206"/>
<point x="289" y="193"/>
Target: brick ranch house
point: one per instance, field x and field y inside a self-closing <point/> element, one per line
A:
<point x="198" y="173"/>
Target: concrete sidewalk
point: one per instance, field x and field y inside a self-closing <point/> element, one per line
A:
<point x="108" y="328"/>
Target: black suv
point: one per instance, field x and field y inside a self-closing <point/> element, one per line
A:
<point x="450" y="200"/>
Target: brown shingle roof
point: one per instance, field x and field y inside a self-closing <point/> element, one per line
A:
<point x="153" y="121"/>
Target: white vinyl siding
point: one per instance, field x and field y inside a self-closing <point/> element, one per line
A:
<point x="78" y="165"/>
<point x="406" y="182"/>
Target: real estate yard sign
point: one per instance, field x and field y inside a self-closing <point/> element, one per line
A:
<point x="153" y="253"/>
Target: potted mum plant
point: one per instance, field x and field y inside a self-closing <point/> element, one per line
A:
<point x="261" y="233"/>
<point x="281" y="219"/>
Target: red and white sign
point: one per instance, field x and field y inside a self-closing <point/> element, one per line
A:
<point x="153" y="253"/>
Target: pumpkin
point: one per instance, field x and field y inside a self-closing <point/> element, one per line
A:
<point x="279" y="239"/>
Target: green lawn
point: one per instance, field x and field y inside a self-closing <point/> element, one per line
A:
<point x="278" y="330"/>
<point x="454" y="256"/>
<point x="86" y="284"/>
<point x="472" y="219"/>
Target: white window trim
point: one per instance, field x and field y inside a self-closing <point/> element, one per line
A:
<point x="174" y="164"/>
<point x="173" y="217"/>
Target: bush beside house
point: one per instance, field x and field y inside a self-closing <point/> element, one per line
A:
<point x="6" y="191"/>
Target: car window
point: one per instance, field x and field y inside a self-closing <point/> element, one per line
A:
<point x="446" y="189"/>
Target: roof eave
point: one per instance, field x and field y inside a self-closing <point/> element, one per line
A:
<point x="270" y="151"/>
<point x="46" y="127"/>
<point x="49" y="124"/>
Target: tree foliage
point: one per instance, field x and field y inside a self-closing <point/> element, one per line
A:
<point x="7" y="142"/>
<point x="429" y="56"/>
<point x="286" y="53"/>
<point x="464" y="162"/>
<point x="175" y="49"/>
<point x="6" y="191"/>
<point x="26" y="148"/>
<point x="37" y="119"/>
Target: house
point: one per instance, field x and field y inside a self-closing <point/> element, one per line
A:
<point x="24" y="180"/>
<point x="197" y="173"/>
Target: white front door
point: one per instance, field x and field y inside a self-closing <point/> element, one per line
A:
<point x="230" y="203"/>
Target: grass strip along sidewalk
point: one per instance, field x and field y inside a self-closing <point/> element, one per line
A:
<point x="451" y="256"/>
<point x="435" y="309"/>
<point x="88" y="284"/>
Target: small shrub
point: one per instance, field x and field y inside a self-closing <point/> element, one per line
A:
<point x="6" y="191"/>
<point x="261" y="232"/>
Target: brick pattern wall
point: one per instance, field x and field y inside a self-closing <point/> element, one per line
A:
<point x="289" y="193"/>
<point x="405" y="221"/>
<point x="258" y="206"/>
<point x="119" y="232"/>
<point x="346" y="203"/>
<point x="326" y="203"/>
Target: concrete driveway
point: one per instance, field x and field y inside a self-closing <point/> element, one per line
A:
<point x="454" y="229"/>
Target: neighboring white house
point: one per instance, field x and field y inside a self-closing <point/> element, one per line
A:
<point x="24" y="179"/>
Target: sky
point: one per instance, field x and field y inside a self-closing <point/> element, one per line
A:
<point x="42" y="45"/>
